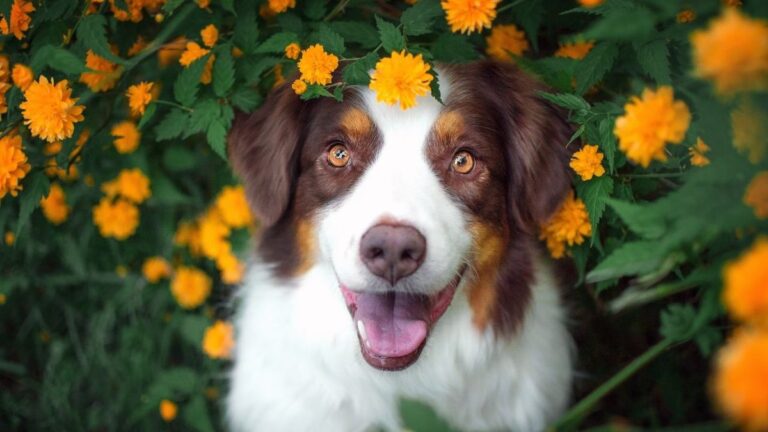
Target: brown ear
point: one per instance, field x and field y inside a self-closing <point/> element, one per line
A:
<point x="263" y="150"/>
<point x="536" y="134"/>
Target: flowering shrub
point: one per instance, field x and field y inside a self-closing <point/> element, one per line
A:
<point x="123" y="229"/>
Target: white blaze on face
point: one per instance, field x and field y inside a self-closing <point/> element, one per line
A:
<point x="400" y="186"/>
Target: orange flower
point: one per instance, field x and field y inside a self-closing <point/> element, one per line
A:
<point x="190" y="287"/>
<point x="13" y="164"/>
<point x="750" y="127"/>
<point x="49" y="110"/>
<point x="188" y="234"/>
<point x="218" y="340"/>
<point x="132" y="13"/>
<point x="231" y="268"/>
<point x="155" y="268"/>
<point x="192" y="52"/>
<point x="299" y="87"/>
<point x="139" y="96"/>
<point x="171" y="51"/>
<point x="292" y="51"/>
<point x="280" y="6"/>
<point x="590" y="3"/>
<point x="569" y="225"/>
<point x="105" y="76"/>
<point x="168" y="410"/>
<point x="213" y="235"/>
<point x="506" y="41"/>
<point x="118" y="219"/>
<point x="210" y="34"/>
<point x="316" y="65"/>
<point x="401" y="77"/>
<point x="127" y="136"/>
<point x="137" y="47"/>
<point x="685" y="16"/>
<point x="10" y="239"/>
<point x="741" y="371"/>
<point x="757" y="195"/>
<point x="207" y="76"/>
<point x="697" y="153"/>
<point x="130" y="184"/>
<point x="20" y="19"/>
<point x="588" y="162"/>
<point x="574" y="50"/>
<point x="233" y="207"/>
<point x="467" y="16"/>
<point x="54" y="206"/>
<point x="745" y="280"/>
<point x="22" y="76"/>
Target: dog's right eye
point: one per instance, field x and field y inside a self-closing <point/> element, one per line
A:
<point x="338" y="156"/>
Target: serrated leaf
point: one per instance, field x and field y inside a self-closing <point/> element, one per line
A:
<point x="245" y="99"/>
<point x="654" y="59"/>
<point x="595" y="194"/>
<point x="92" y="32"/>
<point x="630" y="258"/>
<point x="434" y="87"/>
<point x="203" y="114"/>
<point x="172" y="125"/>
<point x="64" y="61"/>
<point x="290" y="22"/>
<point x="642" y="220"/>
<point x="252" y="69"/>
<point x="331" y="41"/>
<point x="608" y="142"/>
<point x="217" y="138"/>
<point x="419" y="18"/>
<point x="571" y="101"/>
<point x="246" y="35"/>
<point x="677" y="322"/>
<point x="453" y="48"/>
<point x="530" y="14"/>
<point x="277" y="43"/>
<point x="357" y="32"/>
<point x="391" y="38"/>
<point x="595" y="65"/>
<point x="187" y="84"/>
<point x="149" y="112"/>
<point x="315" y="91"/>
<point x="356" y="73"/>
<point x="622" y="24"/>
<point x="223" y="71"/>
<point x="36" y="186"/>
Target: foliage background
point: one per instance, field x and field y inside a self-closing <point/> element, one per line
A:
<point x="87" y="347"/>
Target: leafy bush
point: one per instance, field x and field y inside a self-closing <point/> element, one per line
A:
<point x="122" y="221"/>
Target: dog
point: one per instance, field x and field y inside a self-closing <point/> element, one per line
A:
<point x="398" y="258"/>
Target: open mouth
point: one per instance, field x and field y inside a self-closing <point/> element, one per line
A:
<point x="392" y="327"/>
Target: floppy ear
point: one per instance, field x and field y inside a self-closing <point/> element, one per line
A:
<point x="263" y="150"/>
<point x="536" y="135"/>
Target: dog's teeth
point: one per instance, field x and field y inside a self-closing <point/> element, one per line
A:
<point x="361" y="332"/>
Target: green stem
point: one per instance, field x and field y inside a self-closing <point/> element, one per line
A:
<point x="339" y="8"/>
<point x="581" y="409"/>
<point x="509" y="6"/>
<point x="173" y="104"/>
<point x="646" y="296"/>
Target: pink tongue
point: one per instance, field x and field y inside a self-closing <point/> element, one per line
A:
<point x="395" y="323"/>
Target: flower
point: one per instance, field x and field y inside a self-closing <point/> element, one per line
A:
<point x="190" y="287"/>
<point x="400" y="77"/>
<point x="139" y="96"/>
<point x="292" y="50"/>
<point x="574" y="50"/>
<point x="213" y="235"/>
<point x="757" y="195"/>
<point x="568" y="225"/>
<point x="744" y="284"/>
<point x="132" y="13"/>
<point x="207" y="76"/>
<point x="210" y="34"/>
<point x="171" y="51"/>
<point x="231" y="268"/>
<point x="13" y="164"/>
<point x="54" y="206"/>
<point x="748" y="123"/>
<point x="467" y="16"/>
<point x="590" y="3"/>
<point x="316" y="65"/>
<point x="130" y="184"/>
<point x="188" y="234"/>
<point x="155" y="268"/>
<point x="49" y="110"/>
<point x="105" y="76"/>
<point x="741" y="371"/>
<point x="233" y="207"/>
<point x="168" y="410"/>
<point x="20" y="19"/>
<point x="192" y="52"/>
<point x="219" y="340"/>
<point x="299" y="87"/>
<point x="732" y="52"/>
<point x="117" y="219"/>
<point x="22" y="76"/>
<point x="686" y="16"/>
<point x="203" y="4"/>
<point x="506" y="41"/>
<point x="280" y="6"/>
<point x="697" y="153"/>
<point x="9" y="238"/>
<point x="127" y="136"/>
<point x="649" y="123"/>
<point x="137" y="46"/>
<point x="587" y="162"/>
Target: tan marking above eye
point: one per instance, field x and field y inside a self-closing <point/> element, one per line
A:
<point x="338" y="156"/>
<point x="463" y="162"/>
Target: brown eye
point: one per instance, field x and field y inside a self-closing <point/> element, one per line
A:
<point x="463" y="162"/>
<point x="338" y="156"/>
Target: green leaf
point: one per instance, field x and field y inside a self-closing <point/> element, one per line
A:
<point x="356" y="73"/>
<point x="434" y="87"/>
<point x="217" y="138"/>
<point x="92" y="32"/>
<point x="165" y="192"/>
<point x="187" y="84"/>
<point x="195" y="414"/>
<point x="332" y="42"/>
<point x="149" y="112"/>
<point x="595" y="65"/>
<point x="245" y="99"/>
<point x="419" y="417"/>
<point x="223" y="71"/>
<point x="246" y="35"/>
<point x="453" y="48"/>
<point x="229" y="6"/>
<point x="172" y="125"/>
<point x="622" y="24"/>
<point x="290" y="22"/>
<point x="529" y="14"/>
<point x="315" y="91"/>
<point x="595" y="193"/>
<point x="36" y="186"/>
<point x="63" y="60"/>
<point x="357" y="32"/>
<point x="192" y="328"/>
<point x="178" y="158"/>
<point x="630" y="258"/>
<point x="677" y="322"/>
<point x="252" y="69"/>
<point x="203" y="114"/>
<point x="71" y="255"/>
<point x="571" y="101"/>
<point x="179" y="379"/>
<point x="277" y="43"/>
<point x="419" y="18"/>
<point x="642" y="220"/>
<point x="172" y="5"/>
<point x="391" y="38"/>
<point x="314" y="9"/>
<point x="608" y="142"/>
<point x="654" y="59"/>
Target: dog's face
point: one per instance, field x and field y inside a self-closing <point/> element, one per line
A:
<point x="408" y="208"/>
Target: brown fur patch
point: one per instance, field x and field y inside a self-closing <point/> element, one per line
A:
<point x="306" y="244"/>
<point x="356" y="124"/>
<point x="448" y="127"/>
<point x="489" y="247"/>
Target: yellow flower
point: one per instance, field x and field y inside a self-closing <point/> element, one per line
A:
<point x="745" y="280"/>
<point x="210" y="34"/>
<point x="569" y="225"/>
<point x="13" y="164"/>
<point x="139" y="96"/>
<point x="650" y="123"/>
<point x="213" y="235"/>
<point x="231" y="268"/>
<point x="757" y="195"/>
<point x="105" y="75"/>
<point x="219" y="340"/>
<point x="741" y="371"/>
<point x="188" y="234"/>
<point x="118" y="219"/>
<point x="748" y="123"/>
<point x="20" y="19"/>
<point x="192" y="52"/>
<point x="137" y="47"/>
<point x="280" y="6"/>
<point x="574" y="50"/>
<point x="233" y="207"/>
<point x="400" y="77"/>
<point x="155" y="268"/>
<point x="171" y="51"/>
<point x="203" y="4"/>
<point x="299" y="87"/>
<point x="588" y="162"/>
<point x="127" y="136"/>
<point x="686" y="16"/>
<point x="131" y="184"/>
<point x="10" y="238"/>
<point x="49" y="110"/>
<point x="506" y="41"/>
<point x="590" y="3"/>
<point x="467" y="16"/>
<point x="168" y="410"/>
<point x="22" y="76"/>
<point x="732" y="52"/>
<point x="55" y="207"/>
<point x="316" y="65"/>
<point x="292" y="51"/>
<point x="207" y="76"/>
<point x="697" y="153"/>
<point x="190" y="287"/>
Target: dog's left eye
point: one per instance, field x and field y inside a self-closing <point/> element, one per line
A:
<point x="463" y="162"/>
<point x="338" y="156"/>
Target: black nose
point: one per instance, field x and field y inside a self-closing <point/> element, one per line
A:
<point x="392" y="251"/>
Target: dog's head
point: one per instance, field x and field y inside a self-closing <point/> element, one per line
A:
<point x="407" y="206"/>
